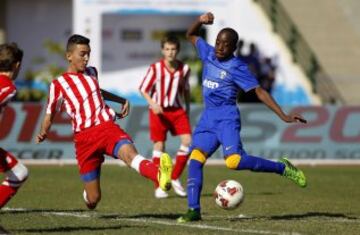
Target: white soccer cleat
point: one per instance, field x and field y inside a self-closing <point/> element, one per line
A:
<point x="159" y="193"/>
<point x="178" y="188"/>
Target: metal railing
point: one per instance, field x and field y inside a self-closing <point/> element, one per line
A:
<point x="301" y="51"/>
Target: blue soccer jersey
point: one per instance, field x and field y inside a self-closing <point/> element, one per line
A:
<point x="221" y="80"/>
<point x="220" y="121"/>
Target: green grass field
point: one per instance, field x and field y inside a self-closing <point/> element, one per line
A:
<point x="51" y="203"/>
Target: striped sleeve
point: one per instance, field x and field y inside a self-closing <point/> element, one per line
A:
<point x="6" y="93"/>
<point x="54" y="97"/>
<point x="149" y="80"/>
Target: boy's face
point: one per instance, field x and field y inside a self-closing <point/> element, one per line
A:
<point x="78" y="57"/>
<point x="169" y="51"/>
<point x="224" y="46"/>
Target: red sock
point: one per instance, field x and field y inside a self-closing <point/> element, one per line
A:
<point x="149" y="170"/>
<point x="156" y="161"/>
<point x="6" y="193"/>
<point x="179" y="166"/>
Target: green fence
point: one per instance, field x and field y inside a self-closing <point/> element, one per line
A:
<point x="301" y="51"/>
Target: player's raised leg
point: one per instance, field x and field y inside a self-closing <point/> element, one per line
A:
<point x="15" y="175"/>
<point x="162" y="174"/>
<point x="237" y="159"/>
<point x="284" y="167"/>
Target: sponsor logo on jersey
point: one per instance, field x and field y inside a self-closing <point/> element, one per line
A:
<point x="210" y="84"/>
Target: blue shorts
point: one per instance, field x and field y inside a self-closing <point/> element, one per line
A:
<point x="219" y="126"/>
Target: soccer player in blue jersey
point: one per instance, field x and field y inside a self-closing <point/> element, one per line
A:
<point x="223" y="75"/>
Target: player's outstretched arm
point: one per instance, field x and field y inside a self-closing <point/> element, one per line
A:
<point x="266" y="98"/>
<point x="45" y="127"/>
<point x="193" y="32"/>
<point x="125" y="109"/>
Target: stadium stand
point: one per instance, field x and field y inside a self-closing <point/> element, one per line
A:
<point x="327" y="31"/>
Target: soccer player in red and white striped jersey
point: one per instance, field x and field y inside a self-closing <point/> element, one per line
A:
<point x="166" y="89"/>
<point x="15" y="172"/>
<point x="95" y="130"/>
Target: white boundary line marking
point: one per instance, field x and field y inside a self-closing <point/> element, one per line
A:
<point x="157" y="221"/>
<point x="204" y="226"/>
<point x="173" y="223"/>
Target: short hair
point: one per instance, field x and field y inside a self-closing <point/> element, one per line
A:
<point x="76" y="39"/>
<point x="10" y="54"/>
<point x="170" y="39"/>
<point x="233" y="34"/>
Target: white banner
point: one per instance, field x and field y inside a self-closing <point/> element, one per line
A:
<point x="332" y="133"/>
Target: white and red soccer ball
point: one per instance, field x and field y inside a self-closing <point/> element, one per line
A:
<point x="229" y="194"/>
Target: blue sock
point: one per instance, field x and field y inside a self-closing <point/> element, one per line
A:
<point x="258" y="164"/>
<point x="194" y="184"/>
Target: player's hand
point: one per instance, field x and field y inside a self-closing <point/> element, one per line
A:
<point x="294" y="118"/>
<point x="125" y="109"/>
<point x="207" y="18"/>
<point x="157" y="109"/>
<point x="40" y="137"/>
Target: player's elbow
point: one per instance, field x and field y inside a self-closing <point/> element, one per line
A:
<point x="191" y="38"/>
<point x="261" y="93"/>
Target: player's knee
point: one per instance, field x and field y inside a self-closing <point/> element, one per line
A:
<point x="186" y="140"/>
<point x="232" y="161"/>
<point x="198" y="156"/>
<point x="19" y="173"/>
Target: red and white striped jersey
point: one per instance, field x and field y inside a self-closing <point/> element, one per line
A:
<point x="166" y="88"/>
<point x="80" y="93"/>
<point x="7" y="91"/>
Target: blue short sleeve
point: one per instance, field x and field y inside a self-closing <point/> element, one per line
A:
<point x="203" y="48"/>
<point x="244" y="78"/>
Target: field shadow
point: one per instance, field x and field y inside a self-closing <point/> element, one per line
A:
<point x="299" y="216"/>
<point x="34" y="211"/>
<point x="67" y="229"/>
<point x="313" y="214"/>
<point x="60" y="229"/>
<point x="3" y="230"/>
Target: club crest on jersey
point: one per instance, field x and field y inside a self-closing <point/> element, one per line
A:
<point x="223" y="74"/>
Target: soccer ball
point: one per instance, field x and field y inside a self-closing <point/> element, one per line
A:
<point x="229" y="194"/>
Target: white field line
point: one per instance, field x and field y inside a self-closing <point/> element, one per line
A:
<point x="240" y="216"/>
<point x="205" y="227"/>
<point x="160" y="222"/>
